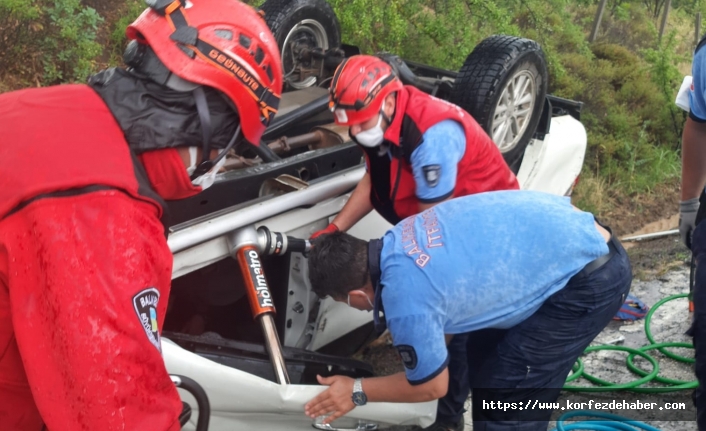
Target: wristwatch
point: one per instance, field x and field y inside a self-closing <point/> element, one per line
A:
<point x="359" y="397"/>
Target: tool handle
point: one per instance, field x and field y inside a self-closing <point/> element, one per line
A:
<point x="258" y="290"/>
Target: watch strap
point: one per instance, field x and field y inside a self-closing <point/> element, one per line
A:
<point x="358" y="385"/>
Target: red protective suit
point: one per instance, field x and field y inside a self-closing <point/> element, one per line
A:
<point x="84" y="271"/>
<point x="481" y="169"/>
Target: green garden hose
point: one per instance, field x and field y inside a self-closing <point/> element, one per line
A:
<point x="608" y="386"/>
<point x="671" y="385"/>
<point x="648" y="331"/>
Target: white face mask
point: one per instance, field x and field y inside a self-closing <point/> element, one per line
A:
<point x="372" y="137"/>
<point x="206" y="180"/>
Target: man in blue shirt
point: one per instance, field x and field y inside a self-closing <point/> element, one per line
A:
<point x="691" y="213"/>
<point x="528" y="277"/>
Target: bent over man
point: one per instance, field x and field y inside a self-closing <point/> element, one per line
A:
<point x="529" y="278"/>
<point x="84" y="264"/>
<point x="419" y="151"/>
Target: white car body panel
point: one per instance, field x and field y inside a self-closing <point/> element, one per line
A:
<point x="552" y="165"/>
<point x="240" y="400"/>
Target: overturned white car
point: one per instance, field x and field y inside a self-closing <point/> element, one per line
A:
<point x="258" y="368"/>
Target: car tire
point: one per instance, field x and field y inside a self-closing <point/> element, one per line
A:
<point x="487" y="88"/>
<point x="311" y="21"/>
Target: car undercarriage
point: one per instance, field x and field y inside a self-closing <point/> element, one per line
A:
<point x="301" y="178"/>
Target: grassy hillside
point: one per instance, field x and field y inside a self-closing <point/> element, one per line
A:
<point x="626" y="78"/>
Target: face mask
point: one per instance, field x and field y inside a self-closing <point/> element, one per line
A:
<point x="372" y="137"/>
<point x="206" y="180"/>
<point x="366" y="297"/>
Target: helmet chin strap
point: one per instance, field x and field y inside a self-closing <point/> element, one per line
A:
<point x="205" y="116"/>
<point x="206" y="163"/>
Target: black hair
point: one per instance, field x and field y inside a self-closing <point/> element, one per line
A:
<point x="338" y="263"/>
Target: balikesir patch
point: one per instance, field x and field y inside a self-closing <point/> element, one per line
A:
<point x="432" y="174"/>
<point x="408" y="355"/>
<point x="145" y="304"/>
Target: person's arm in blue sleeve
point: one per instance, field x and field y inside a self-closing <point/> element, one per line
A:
<point x="693" y="171"/>
<point x="426" y="376"/>
<point x="435" y="162"/>
<point x="420" y="341"/>
<point x="697" y="97"/>
<point x="694" y="135"/>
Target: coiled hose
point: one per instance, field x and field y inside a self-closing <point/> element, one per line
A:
<point x="610" y="422"/>
<point x="670" y="385"/>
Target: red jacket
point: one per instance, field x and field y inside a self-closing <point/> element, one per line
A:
<point x="393" y="193"/>
<point x="79" y="148"/>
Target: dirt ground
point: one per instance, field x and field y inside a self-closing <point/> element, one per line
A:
<point x="660" y="268"/>
<point x="627" y="215"/>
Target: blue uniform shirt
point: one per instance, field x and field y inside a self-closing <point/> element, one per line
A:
<point x="487" y="260"/>
<point x="697" y="93"/>
<point x="435" y="161"/>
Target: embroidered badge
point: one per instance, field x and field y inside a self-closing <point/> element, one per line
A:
<point x="432" y="174"/>
<point x="408" y="355"/>
<point x="145" y="304"/>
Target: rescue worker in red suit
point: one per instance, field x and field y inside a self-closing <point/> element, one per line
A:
<point x="85" y="268"/>
<point x="419" y="151"/>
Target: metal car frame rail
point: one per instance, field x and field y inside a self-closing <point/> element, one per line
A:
<point x="210" y="228"/>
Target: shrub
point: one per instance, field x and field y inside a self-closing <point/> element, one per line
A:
<point x="48" y="42"/>
<point x="626" y="117"/>
<point x="19" y="21"/>
<point x="69" y="44"/>
<point x="129" y="11"/>
<point x="665" y="74"/>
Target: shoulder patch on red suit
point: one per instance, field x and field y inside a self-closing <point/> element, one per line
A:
<point x="145" y="303"/>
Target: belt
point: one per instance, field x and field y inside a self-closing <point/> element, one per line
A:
<point x="600" y="261"/>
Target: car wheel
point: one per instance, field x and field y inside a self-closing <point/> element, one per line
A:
<point x="300" y="24"/>
<point x="502" y="84"/>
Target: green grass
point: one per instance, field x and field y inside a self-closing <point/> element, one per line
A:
<point x="129" y="11"/>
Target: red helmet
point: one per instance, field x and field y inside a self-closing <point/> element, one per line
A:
<point x="359" y="87"/>
<point x="223" y="44"/>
